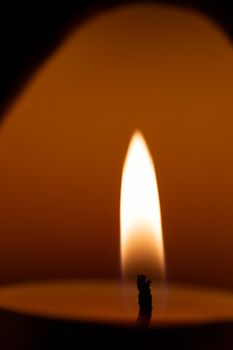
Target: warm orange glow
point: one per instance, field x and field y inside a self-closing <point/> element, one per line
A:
<point x="140" y="219"/>
<point x="62" y="142"/>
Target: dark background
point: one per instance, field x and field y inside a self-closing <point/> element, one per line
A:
<point x="29" y="32"/>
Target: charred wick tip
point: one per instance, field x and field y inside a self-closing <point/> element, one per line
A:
<point x="144" y="301"/>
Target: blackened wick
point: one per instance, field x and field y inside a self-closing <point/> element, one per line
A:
<point x="144" y="300"/>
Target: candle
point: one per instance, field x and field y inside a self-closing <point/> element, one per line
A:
<point x="94" y="310"/>
<point x="60" y="313"/>
<point x="103" y="302"/>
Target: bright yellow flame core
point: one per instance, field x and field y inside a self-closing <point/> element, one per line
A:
<point x="140" y="218"/>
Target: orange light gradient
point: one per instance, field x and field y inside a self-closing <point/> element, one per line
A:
<point x="164" y="70"/>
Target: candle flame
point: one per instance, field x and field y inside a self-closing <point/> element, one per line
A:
<point x="142" y="249"/>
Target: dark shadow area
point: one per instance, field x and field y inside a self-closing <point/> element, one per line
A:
<point x="18" y="331"/>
